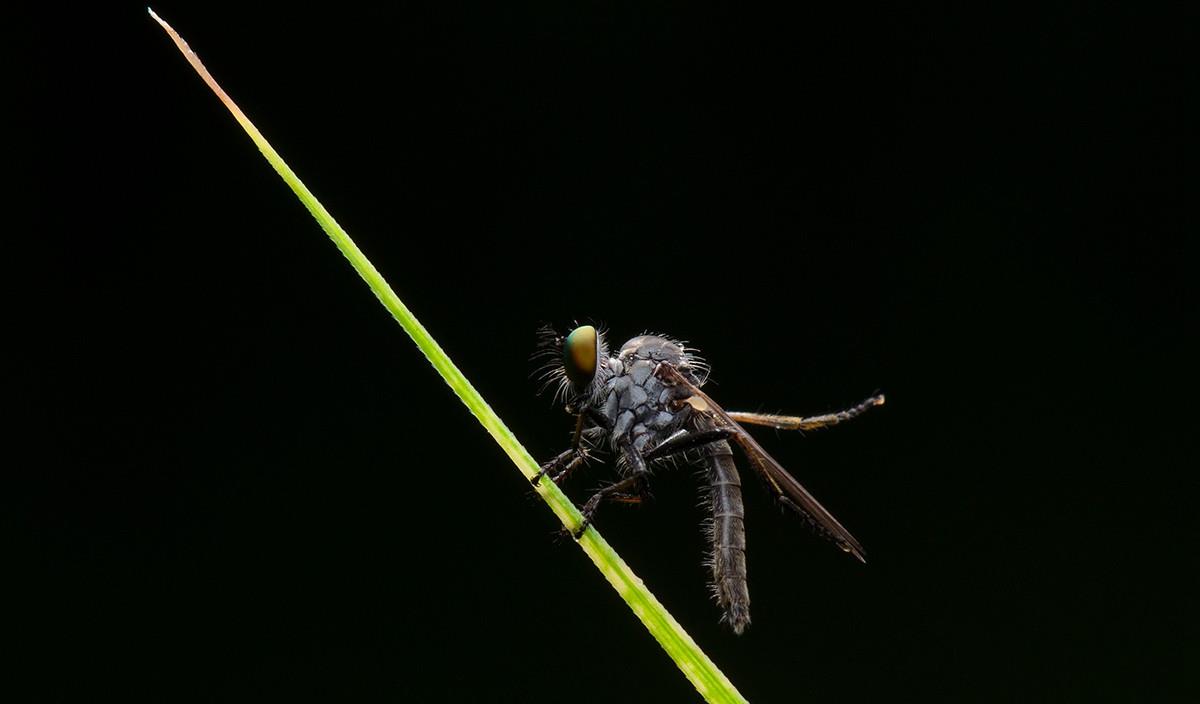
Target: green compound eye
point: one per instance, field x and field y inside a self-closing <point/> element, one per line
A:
<point x="581" y="349"/>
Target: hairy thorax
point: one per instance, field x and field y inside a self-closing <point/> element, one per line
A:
<point x="643" y="410"/>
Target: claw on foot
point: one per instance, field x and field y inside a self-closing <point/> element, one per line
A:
<point x="588" y="512"/>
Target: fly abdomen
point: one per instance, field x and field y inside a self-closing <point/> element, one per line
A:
<point x="728" y="536"/>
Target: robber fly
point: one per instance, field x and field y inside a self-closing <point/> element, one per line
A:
<point x="647" y="404"/>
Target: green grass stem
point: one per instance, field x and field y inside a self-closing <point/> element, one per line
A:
<point x="709" y="681"/>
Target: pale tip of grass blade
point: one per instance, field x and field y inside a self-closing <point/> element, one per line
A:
<point x="169" y="28"/>
<point x="190" y="55"/>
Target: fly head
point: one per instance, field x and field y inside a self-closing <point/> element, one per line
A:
<point x="575" y="365"/>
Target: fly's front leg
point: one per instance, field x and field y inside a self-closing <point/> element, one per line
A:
<point x="630" y="489"/>
<point x="566" y="461"/>
<point x="561" y="466"/>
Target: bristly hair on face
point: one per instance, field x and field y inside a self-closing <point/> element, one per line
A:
<point x="551" y="372"/>
<point x="548" y="358"/>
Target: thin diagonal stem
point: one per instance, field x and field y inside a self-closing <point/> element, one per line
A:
<point x="696" y="666"/>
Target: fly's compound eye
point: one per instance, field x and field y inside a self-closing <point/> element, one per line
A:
<point x="581" y="351"/>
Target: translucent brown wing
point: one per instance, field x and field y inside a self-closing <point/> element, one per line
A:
<point x="786" y="487"/>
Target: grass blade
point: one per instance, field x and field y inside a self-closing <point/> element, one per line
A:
<point x="710" y="682"/>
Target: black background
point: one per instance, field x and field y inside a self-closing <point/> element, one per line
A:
<point x="255" y="488"/>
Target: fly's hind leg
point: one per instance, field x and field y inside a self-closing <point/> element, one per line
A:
<point x="807" y="422"/>
<point x="631" y="489"/>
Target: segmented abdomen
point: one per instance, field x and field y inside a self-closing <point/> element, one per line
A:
<point x="728" y="536"/>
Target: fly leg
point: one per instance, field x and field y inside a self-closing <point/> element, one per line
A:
<point x="629" y="490"/>
<point x="807" y="422"/>
<point x="566" y="461"/>
<point x="689" y="441"/>
<point x="561" y="466"/>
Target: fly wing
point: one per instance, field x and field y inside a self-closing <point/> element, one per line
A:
<point x="792" y="493"/>
<point x="785" y="486"/>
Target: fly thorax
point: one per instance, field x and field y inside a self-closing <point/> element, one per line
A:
<point x="639" y="405"/>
